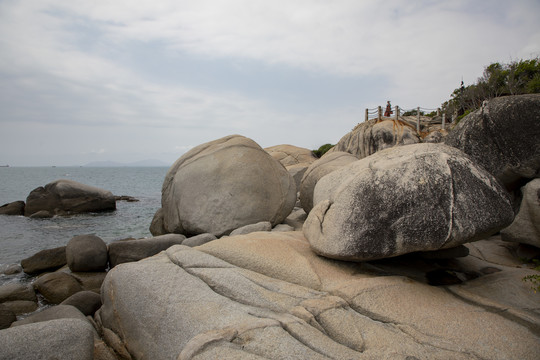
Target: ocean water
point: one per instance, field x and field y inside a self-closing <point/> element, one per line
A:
<point x="21" y="237"/>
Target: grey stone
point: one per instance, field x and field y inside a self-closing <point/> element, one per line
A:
<point x="199" y="240"/>
<point x="17" y="291"/>
<point x="57" y="339"/>
<point x="12" y="208"/>
<point x="10" y="269"/>
<point x="283" y="227"/>
<point x="526" y="226"/>
<point x="134" y="250"/>
<point x="19" y="307"/>
<point x="86" y="253"/>
<point x="56" y="287"/>
<point x="289" y="155"/>
<point x="260" y="226"/>
<point x="502" y="137"/>
<point x="7" y="317"/>
<point x="224" y="184"/>
<point x="52" y="313"/>
<point x="86" y="302"/>
<point x="157" y="227"/>
<point x="62" y="197"/>
<point x="420" y="197"/>
<point x="45" y="260"/>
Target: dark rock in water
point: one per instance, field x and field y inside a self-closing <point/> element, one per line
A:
<point x="126" y="198"/>
<point x="45" y="260"/>
<point x="420" y="197"/>
<point x="10" y="269"/>
<point x="7" y="317"/>
<point x="502" y="137"/>
<point x="57" y="339"/>
<point x="86" y="302"/>
<point x="64" y="197"/>
<point x="42" y="214"/>
<point x="57" y="287"/>
<point x="13" y="208"/>
<point x="135" y="250"/>
<point x="86" y="253"/>
<point x="16" y="291"/>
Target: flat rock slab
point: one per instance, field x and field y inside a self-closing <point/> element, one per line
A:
<point x="267" y="295"/>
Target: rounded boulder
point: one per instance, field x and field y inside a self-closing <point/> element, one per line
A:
<point x="86" y="253"/>
<point x="224" y="184"/>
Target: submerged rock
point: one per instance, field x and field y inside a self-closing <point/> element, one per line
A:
<point x="12" y="208"/>
<point x="225" y="184"/>
<point x="63" y="197"/>
<point x="421" y="197"/>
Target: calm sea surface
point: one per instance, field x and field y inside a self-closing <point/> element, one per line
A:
<point x="21" y="237"/>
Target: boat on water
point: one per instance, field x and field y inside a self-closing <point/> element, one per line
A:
<point x="4" y="165"/>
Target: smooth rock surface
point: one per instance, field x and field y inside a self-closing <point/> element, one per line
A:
<point x="63" y="197"/>
<point x="267" y="295"/>
<point x="17" y="291"/>
<point x="260" y="226"/>
<point x="371" y="136"/>
<point x="7" y="317"/>
<point x="502" y="137"/>
<point x="289" y="155"/>
<point x="86" y="253"/>
<point x="87" y="302"/>
<point x="134" y="250"/>
<point x="224" y="184"/>
<point x="420" y="197"/>
<point x="325" y="165"/>
<point x="526" y="226"/>
<point x="199" y="240"/>
<point x="12" y="208"/>
<point x="52" y="313"/>
<point x="45" y="260"/>
<point x="56" y="287"/>
<point x="57" y="339"/>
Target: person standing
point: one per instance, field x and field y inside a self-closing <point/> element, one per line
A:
<point x="388" y="110"/>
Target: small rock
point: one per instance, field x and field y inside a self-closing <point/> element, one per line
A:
<point x="12" y="208"/>
<point x="86" y="301"/>
<point x="45" y="260"/>
<point x="15" y="291"/>
<point x="86" y="253"/>
<point x="57" y="286"/>
<point x="260" y="226"/>
<point x="199" y="240"/>
<point x="283" y="227"/>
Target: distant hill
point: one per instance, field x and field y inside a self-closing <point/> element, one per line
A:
<point x="141" y="163"/>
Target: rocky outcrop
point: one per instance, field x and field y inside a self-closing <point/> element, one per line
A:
<point x="502" y="137"/>
<point x="419" y="197"/>
<point x="12" y="208"/>
<point x="225" y="184"/>
<point x="289" y="155"/>
<point x="64" y="197"/>
<point x="86" y="253"/>
<point x="45" y="260"/>
<point x="371" y="136"/>
<point x="56" y="339"/>
<point x="526" y="226"/>
<point x="325" y="165"/>
<point x="267" y="295"/>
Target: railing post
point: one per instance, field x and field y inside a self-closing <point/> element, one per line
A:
<point x="438" y="111"/>
<point x="379" y="116"/>
<point x="367" y="115"/>
<point x="418" y="119"/>
<point x="443" y="120"/>
<point x="397" y="111"/>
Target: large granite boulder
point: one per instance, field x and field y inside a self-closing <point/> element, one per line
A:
<point x="57" y="339"/>
<point x="419" y="197"/>
<point x="86" y="253"/>
<point x="225" y="184"/>
<point x="289" y="155"/>
<point x="325" y="165"/>
<point x="267" y="295"/>
<point x="63" y="197"/>
<point x="12" y="208"/>
<point x="371" y="136"/>
<point x="526" y="226"/>
<point x="134" y="250"/>
<point x="45" y="260"/>
<point x="503" y="136"/>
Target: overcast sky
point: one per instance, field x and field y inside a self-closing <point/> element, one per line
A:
<point x="96" y="80"/>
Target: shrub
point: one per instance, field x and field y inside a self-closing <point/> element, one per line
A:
<point x="322" y="150"/>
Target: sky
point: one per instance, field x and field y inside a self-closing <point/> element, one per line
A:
<point x="84" y="81"/>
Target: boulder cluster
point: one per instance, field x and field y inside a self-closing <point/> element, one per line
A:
<point x="394" y="245"/>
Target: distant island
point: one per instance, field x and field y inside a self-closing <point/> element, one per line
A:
<point x="141" y="163"/>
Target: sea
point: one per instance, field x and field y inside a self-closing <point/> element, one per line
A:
<point x="21" y="237"/>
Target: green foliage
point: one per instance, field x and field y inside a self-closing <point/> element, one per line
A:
<point x="322" y="150"/>
<point x="412" y="113"/>
<point x="515" y="78"/>
<point x="534" y="279"/>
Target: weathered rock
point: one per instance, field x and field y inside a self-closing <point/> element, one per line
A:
<point x="157" y="226"/>
<point x="86" y="302"/>
<point x="41" y="214"/>
<point x="260" y="226"/>
<point x="199" y="240"/>
<point x="7" y="317"/>
<point x="526" y="226"/>
<point x="16" y="291"/>
<point x="291" y="155"/>
<point x="45" y="260"/>
<point x="19" y="307"/>
<point x="86" y="253"/>
<point x="52" y="313"/>
<point x="266" y="295"/>
<point x="62" y="197"/>
<point x="325" y="165"/>
<point x="135" y="250"/>
<point x="222" y="185"/>
<point x="56" y="287"/>
<point x="421" y="197"/>
<point x="283" y="227"/>
<point x="435" y="136"/>
<point x="503" y="136"/>
<point x="371" y="136"/>
<point x="90" y="280"/>
<point x="297" y="172"/>
<point x="12" y="208"/>
<point x="57" y="339"/>
<point x="10" y="269"/>
<point x="125" y="198"/>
